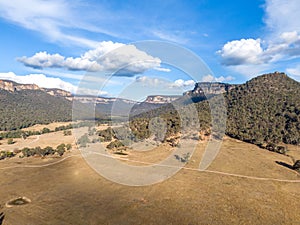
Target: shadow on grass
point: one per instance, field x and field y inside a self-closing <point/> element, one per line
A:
<point x="285" y="165"/>
<point x="1" y="218"/>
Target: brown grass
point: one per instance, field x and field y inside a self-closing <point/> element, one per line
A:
<point x="70" y="192"/>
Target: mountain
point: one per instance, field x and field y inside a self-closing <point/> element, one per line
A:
<point x="12" y="86"/>
<point x="264" y="110"/>
<point x="205" y="90"/>
<point x="161" y="99"/>
<point x="23" y="105"/>
<point x="26" y="107"/>
<point x="211" y="88"/>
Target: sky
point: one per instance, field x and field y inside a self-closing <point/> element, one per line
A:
<point x="102" y="47"/>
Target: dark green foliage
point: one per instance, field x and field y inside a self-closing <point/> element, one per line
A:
<point x="68" y="146"/>
<point x="60" y="149"/>
<point x="38" y="151"/>
<point x="45" y="130"/>
<point x="115" y="144"/>
<point x="25" y="108"/>
<point x="25" y="134"/>
<point x="6" y="154"/>
<point x="106" y="134"/>
<point x="265" y="110"/>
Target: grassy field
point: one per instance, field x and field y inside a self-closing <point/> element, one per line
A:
<point x="67" y="191"/>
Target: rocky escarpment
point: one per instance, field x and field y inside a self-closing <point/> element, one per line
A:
<point x="161" y="99"/>
<point x="210" y="88"/>
<point x="12" y="86"/>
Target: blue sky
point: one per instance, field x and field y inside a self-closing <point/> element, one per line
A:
<point x="57" y="43"/>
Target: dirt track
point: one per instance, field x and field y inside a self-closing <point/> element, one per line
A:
<point x="70" y="192"/>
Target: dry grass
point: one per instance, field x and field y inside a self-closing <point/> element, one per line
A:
<point x="70" y="192"/>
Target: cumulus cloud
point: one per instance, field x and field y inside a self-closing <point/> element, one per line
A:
<point x="121" y="59"/>
<point x="155" y="82"/>
<point x="183" y="83"/>
<point x="282" y="43"/>
<point x="244" y="51"/>
<point x="39" y="79"/>
<point x="211" y="78"/>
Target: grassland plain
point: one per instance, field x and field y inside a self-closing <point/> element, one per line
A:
<point x="67" y="191"/>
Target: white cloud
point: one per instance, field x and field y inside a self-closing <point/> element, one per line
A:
<point x="159" y="82"/>
<point x="282" y="16"/>
<point x="39" y="79"/>
<point x="42" y="60"/>
<point x="183" y="83"/>
<point x="87" y="91"/>
<point x="124" y="60"/>
<point x="162" y="69"/>
<point x="249" y="52"/>
<point x="211" y="78"/>
<point x="51" y="18"/>
<point x="281" y="43"/>
<point x="244" y="51"/>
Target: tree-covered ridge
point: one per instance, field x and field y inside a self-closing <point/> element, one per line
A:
<point x="25" y="108"/>
<point x="263" y="111"/>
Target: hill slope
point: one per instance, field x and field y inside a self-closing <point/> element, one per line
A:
<point x="264" y="110"/>
<point x="25" y="108"/>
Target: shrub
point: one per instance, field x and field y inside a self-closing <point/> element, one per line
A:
<point x="10" y="141"/>
<point x="68" y="146"/>
<point x="115" y="144"/>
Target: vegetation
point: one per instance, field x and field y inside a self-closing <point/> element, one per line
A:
<point x="10" y="141"/>
<point x="115" y="144"/>
<point x="26" y="108"/>
<point x="264" y="111"/>
<point x="83" y="141"/>
<point x="37" y="151"/>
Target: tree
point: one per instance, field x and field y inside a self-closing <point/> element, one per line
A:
<point x="46" y="130"/>
<point x="60" y="149"/>
<point x="68" y="146"/>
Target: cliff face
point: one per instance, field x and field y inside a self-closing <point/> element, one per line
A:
<point x="58" y="92"/>
<point x="204" y="88"/>
<point x="161" y="99"/>
<point x="13" y="86"/>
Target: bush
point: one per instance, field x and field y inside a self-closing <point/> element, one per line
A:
<point x="60" y="149"/>
<point x="68" y="146"/>
<point x="10" y="141"/>
<point x="83" y="140"/>
<point x="115" y="144"/>
<point x="67" y="132"/>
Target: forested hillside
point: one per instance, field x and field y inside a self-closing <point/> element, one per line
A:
<point x="264" y="110"/>
<point x="25" y="108"/>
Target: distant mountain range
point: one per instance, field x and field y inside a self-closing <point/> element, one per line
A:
<point x="263" y="110"/>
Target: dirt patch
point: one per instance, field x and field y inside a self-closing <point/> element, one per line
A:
<point x="18" y="202"/>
